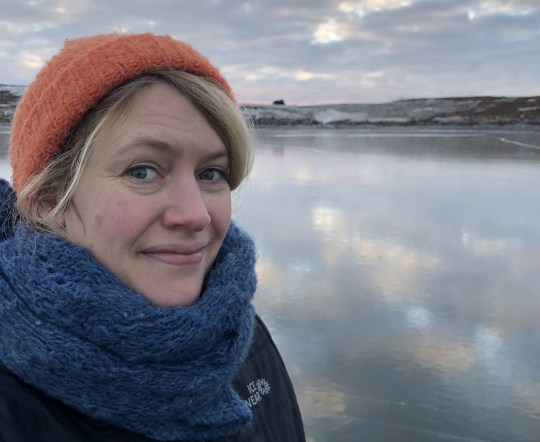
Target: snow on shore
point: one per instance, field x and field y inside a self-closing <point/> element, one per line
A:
<point x="466" y="111"/>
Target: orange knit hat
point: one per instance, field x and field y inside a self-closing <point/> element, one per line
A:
<point x="77" y="78"/>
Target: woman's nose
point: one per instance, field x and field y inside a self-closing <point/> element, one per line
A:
<point x="186" y="206"/>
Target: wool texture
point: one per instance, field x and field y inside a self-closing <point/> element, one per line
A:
<point x="78" y="77"/>
<point x="70" y="328"/>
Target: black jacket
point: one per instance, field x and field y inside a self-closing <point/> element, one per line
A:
<point x="29" y="415"/>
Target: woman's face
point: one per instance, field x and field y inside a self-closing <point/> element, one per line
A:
<point x="153" y="203"/>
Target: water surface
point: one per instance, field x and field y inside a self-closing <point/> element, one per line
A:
<point x="399" y="274"/>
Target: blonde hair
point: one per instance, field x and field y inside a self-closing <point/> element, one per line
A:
<point x="49" y="193"/>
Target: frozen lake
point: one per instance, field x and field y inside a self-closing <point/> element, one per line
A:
<point x="399" y="272"/>
<point x="400" y="275"/>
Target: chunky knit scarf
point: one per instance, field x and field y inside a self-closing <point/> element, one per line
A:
<point x="70" y="328"/>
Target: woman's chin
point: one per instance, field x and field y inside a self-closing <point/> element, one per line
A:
<point x="172" y="298"/>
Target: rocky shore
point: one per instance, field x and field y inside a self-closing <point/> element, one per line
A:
<point x="507" y="112"/>
<point x="463" y="111"/>
<point x="9" y="96"/>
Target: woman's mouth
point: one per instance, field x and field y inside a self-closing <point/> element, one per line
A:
<point x="177" y="255"/>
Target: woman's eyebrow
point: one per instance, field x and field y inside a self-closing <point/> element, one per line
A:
<point x="142" y="143"/>
<point x="218" y="154"/>
<point x="145" y="142"/>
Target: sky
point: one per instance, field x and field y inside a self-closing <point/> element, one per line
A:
<point x="307" y="51"/>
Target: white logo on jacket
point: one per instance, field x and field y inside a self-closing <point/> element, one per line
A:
<point x="257" y="390"/>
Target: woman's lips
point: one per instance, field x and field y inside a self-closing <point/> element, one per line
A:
<point x="182" y="255"/>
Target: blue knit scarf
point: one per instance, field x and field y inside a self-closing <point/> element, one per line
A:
<point x="70" y="328"/>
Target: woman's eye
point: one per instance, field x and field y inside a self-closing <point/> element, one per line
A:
<point x="143" y="173"/>
<point x="211" y="175"/>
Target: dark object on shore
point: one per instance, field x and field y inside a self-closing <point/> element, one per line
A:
<point x="279" y="102"/>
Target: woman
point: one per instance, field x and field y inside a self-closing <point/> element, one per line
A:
<point x="125" y="292"/>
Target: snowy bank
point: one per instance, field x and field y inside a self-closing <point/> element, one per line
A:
<point x="465" y="111"/>
<point x="9" y="96"/>
<point x="468" y="111"/>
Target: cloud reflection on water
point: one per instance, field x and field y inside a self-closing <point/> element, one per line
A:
<point x="399" y="276"/>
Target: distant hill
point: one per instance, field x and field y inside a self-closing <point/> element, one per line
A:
<point x="462" y="111"/>
<point x="465" y="111"/>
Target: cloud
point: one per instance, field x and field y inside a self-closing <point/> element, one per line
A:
<point x="364" y="7"/>
<point x="309" y="51"/>
<point x="329" y="31"/>
<point x="491" y="7"/>
<point x="277" y="72"/>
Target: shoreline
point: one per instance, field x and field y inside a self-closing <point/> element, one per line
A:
<point x="515" y="114"/>
<point x="371" y="127"/>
